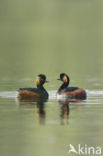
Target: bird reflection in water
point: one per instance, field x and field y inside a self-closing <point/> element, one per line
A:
<point x="40" y="107"/>
<point x="65" y="110"/>
<point x="40" y="113"/>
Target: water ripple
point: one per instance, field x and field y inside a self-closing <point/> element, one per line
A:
<point x="94" y="96"/>
<point x="8" y="94"/>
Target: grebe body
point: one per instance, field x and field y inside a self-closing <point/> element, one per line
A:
<point x="70" y="92"/>
<point x="34" y="94"/>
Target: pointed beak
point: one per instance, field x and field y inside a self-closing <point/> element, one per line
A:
<point x="58" y="79"/>
<point x="46" y="81"/>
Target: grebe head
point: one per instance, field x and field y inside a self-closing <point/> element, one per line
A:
<point x="41" y="79"/>
<point x="64" y="77"/>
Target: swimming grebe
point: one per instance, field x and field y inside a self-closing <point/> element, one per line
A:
<point x="33" y="94"/>
<point x="70" y="92"/>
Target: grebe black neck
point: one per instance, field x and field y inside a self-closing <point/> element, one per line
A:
<point x="66" y="81"/>
<point x="41" y="79"/>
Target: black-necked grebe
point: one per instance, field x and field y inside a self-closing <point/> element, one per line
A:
<point x="71" y="92"/>
<point x="32" y="94"/>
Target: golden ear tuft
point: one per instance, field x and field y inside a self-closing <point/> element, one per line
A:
<point x="38" y="81"/>
<point x="65" y="79"/>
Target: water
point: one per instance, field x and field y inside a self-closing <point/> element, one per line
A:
<point x="50" y="37"/>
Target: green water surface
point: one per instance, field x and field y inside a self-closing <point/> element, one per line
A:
<point x="50" y="37"/>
